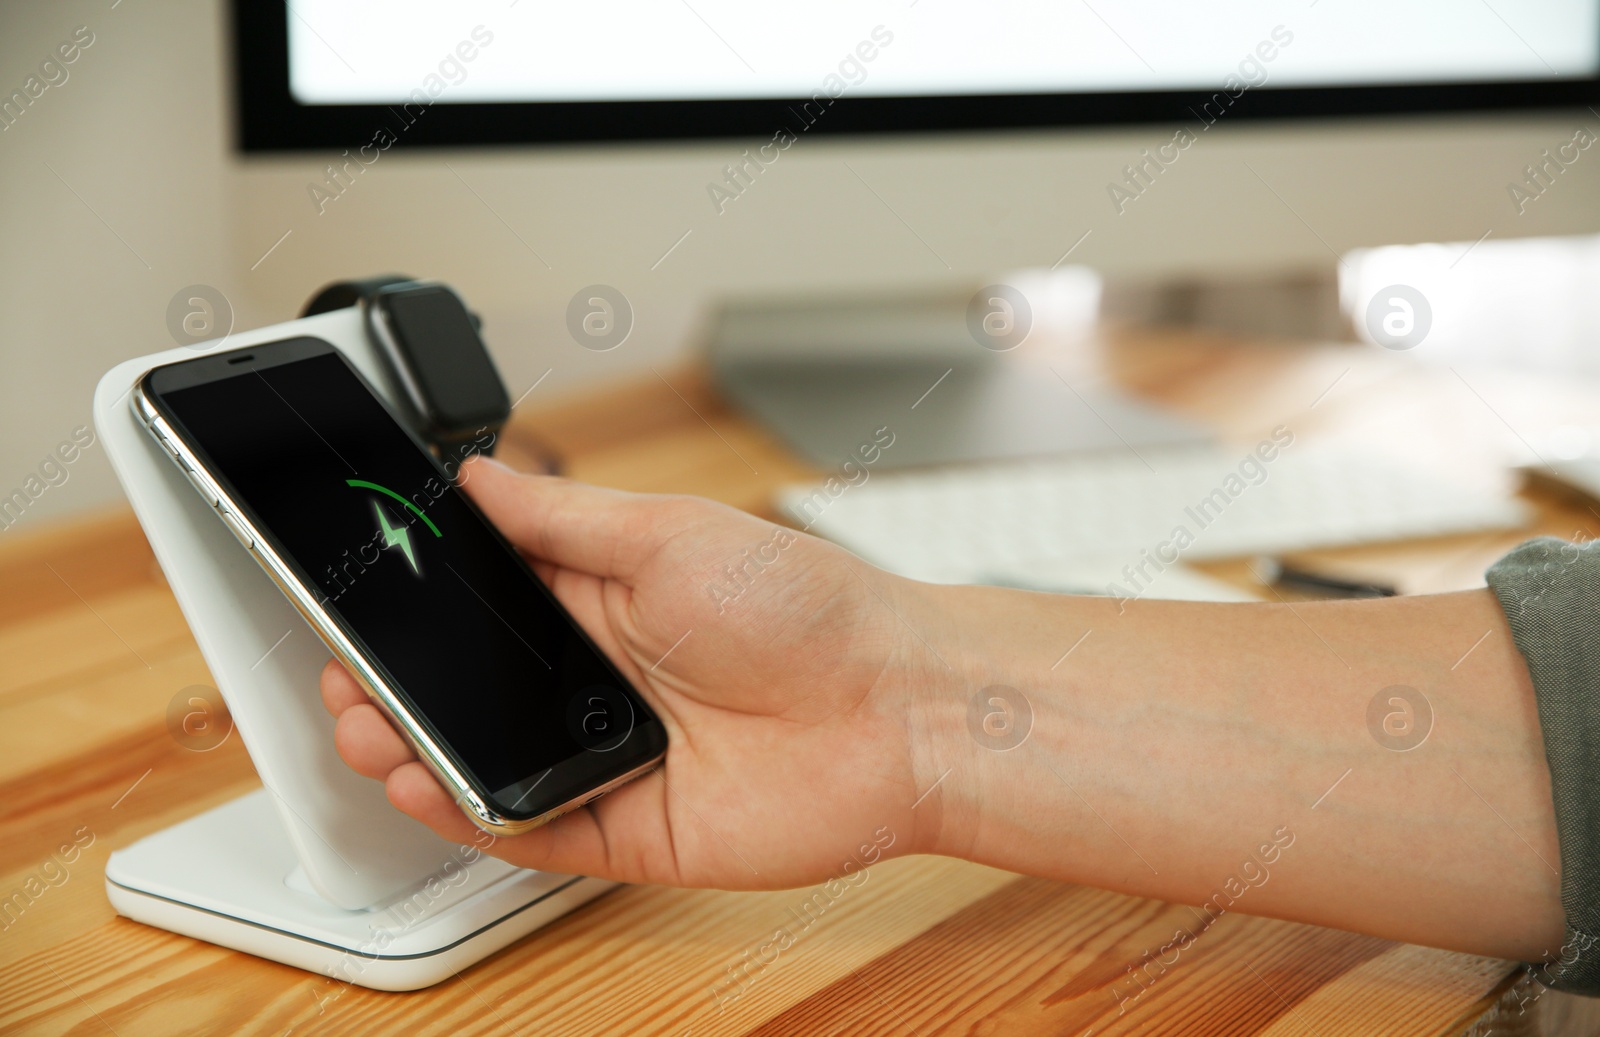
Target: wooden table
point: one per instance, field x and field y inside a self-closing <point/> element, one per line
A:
<point x="93" y="648"/>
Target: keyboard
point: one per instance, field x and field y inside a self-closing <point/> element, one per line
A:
<point x="1059" y="522"/>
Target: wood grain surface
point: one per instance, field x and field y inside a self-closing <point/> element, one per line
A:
<point x="93" y="648"/>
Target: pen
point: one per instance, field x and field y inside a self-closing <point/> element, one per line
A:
<point x="1332" y="586"/>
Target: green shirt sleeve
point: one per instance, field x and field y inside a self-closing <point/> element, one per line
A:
<point x="1550" y="592"/>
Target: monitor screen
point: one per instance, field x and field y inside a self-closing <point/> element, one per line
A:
<point x="321" y="73"/>
<point x="380" y="51"/>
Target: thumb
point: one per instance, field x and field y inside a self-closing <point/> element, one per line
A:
<point x="603" y="532"/>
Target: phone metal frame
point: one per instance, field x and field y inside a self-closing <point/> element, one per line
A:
<point x="469" y="799"/>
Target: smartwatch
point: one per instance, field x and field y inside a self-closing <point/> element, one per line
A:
<point x="429" y="343"/>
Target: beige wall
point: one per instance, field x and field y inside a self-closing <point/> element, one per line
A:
<point x="136" y="131"/>
<point x="140" y="131"/>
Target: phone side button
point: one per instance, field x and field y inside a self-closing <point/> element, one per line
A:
<point x="194" y="480"/>
<point x="236" y="529"/>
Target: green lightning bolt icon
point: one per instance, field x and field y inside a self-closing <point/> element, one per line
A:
<point x="396" y="536"/>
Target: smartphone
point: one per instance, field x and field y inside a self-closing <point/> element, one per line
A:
<point x="502" y="695"/>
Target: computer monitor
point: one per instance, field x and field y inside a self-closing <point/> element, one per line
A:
<point x="317" y="73"/>
<point x="684" y="151"/>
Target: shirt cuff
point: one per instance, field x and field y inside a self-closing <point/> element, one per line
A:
<point x="1549" y="590"/>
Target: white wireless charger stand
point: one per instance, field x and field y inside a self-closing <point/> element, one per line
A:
<point x="317" y="869"/>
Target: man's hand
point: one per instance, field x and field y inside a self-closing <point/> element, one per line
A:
<point x="824" y="705"/>
<point x="780" y="665"/>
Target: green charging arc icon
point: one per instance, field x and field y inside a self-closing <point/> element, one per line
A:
<point x="396" y="535"/>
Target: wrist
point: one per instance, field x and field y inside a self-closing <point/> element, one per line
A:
<point x="979" y="712"/>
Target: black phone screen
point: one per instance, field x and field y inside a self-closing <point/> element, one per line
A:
<point x="414" y="574"/>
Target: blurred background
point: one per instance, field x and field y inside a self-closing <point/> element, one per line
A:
<point x="123" y="181"/>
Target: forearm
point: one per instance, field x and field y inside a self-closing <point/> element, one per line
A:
<point x="1177" y="750"/>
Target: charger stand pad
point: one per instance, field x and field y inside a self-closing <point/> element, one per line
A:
<point x="316" y="869"/>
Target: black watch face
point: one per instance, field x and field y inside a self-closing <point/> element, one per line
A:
<point x="458" y="387"/>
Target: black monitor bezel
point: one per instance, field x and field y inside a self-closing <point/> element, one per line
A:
<point x="269" y="119"/>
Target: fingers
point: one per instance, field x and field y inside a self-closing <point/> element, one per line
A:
<point x="368" y="743"/>
<point x="340" y="690"/>
<point x="574" y="525"/>
<point x="414" y="790"/>
<point x="371" y="747"/>
<point x="572" y="844"/>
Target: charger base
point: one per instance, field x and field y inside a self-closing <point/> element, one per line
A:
<point x="230" y="877"/>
